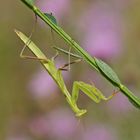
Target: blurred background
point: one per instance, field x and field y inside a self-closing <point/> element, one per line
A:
<point x="31" y="105"/>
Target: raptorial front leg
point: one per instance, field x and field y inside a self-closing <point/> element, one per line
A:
<point x="91" y="91"/>
<point x="110" y="97"/>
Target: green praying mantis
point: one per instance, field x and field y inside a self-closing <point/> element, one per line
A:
<point x="90" y="90"/>
<point x="100" y="66"/>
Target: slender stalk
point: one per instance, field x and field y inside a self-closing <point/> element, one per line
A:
<point x="82" y="52"/>
<point x="64" y="35"/>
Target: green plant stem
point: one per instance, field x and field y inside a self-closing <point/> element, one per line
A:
<point x="60" y="31"/>
<point x="82" y="52"/>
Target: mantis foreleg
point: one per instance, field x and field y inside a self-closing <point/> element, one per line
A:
<point x="90" y="90"/>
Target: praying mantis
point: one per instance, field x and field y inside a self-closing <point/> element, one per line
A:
<point x="90" y="90"/>
<point x="100" y="66"/>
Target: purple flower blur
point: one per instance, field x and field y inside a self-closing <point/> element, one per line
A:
<point x="42" y="85"/>
<point x="102" y="28"/>
<point x="58" y="8"/>
<point x="120" y="104"/>
<point x="99" y="132"/>
<point x="39" y="126"/>
<point x="58" y="124"/>
<point x="122" y="4"/>
<point x="62" y="123"/>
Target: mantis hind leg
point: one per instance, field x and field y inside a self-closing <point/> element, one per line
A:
<point x="64" y="67"/>
<point x="30" y="57"/>
<point x="28" y="42"/>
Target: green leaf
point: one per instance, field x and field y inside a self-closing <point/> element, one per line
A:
<point x="51" y="17"/>
<point x="107" y="71"/>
